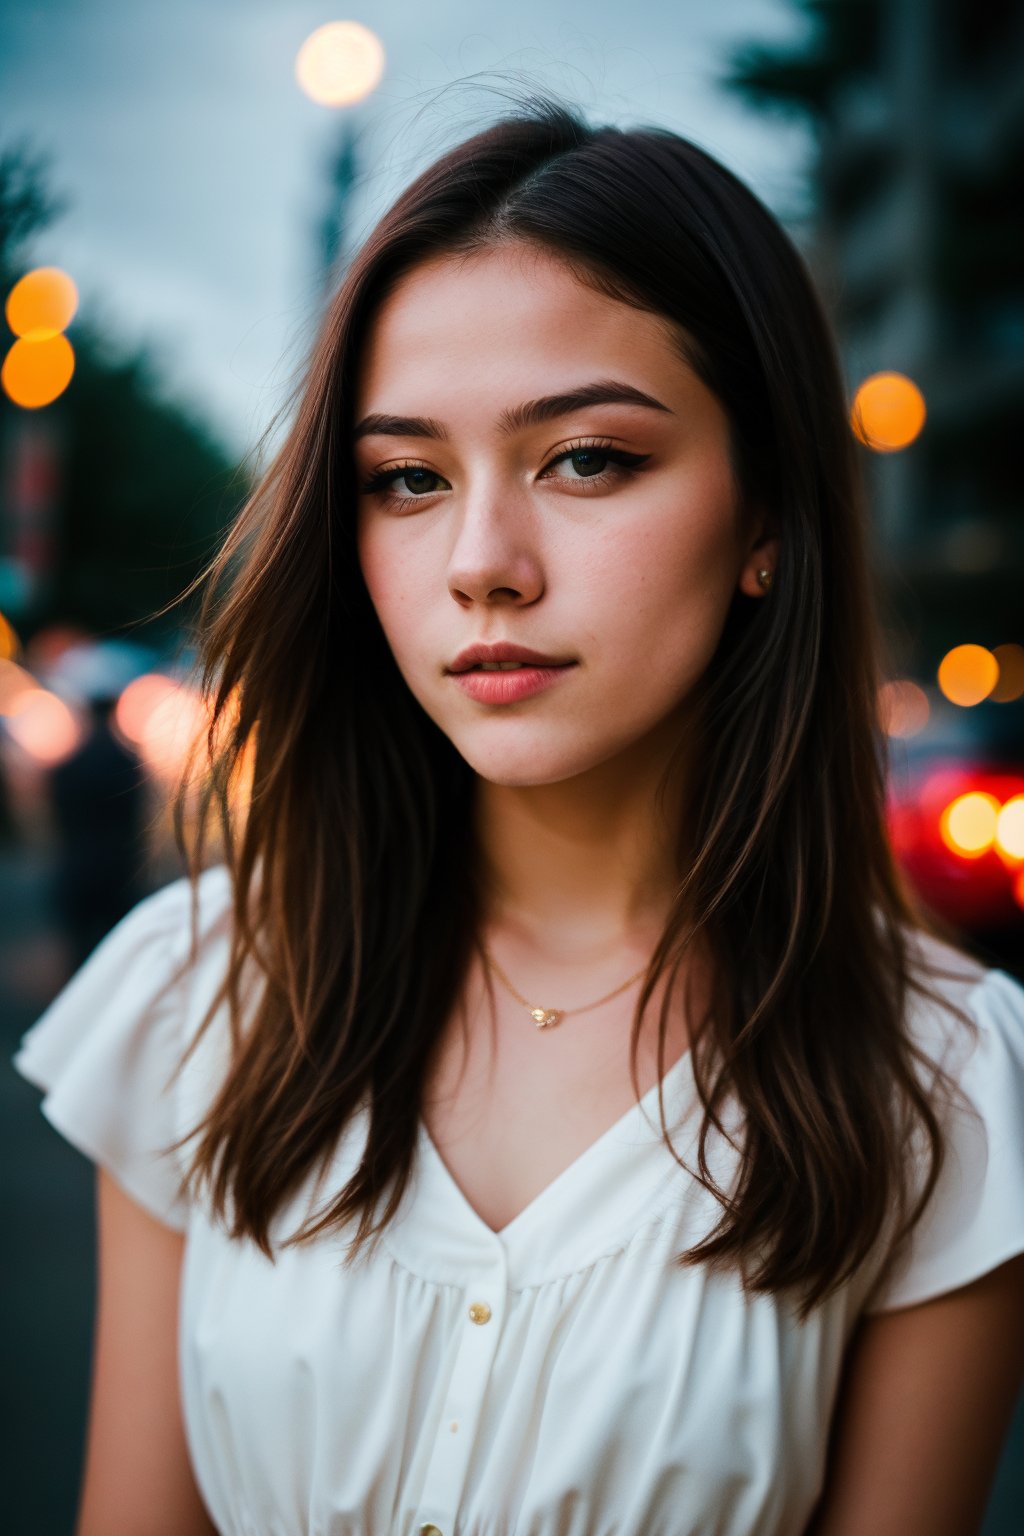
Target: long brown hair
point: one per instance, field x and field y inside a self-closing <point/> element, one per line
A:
<point x="354" y="876"/>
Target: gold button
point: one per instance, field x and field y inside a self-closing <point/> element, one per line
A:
<point x="480" y="1312"/>
<point x="430" y="1530"/>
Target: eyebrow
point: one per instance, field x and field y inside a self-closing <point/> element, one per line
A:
<point x="516" y="417"/>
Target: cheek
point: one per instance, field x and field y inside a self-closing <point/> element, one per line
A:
<point x="664" y="585"/>
<point x="388" y="580"/>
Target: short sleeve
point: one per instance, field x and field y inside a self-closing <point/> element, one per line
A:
<point x="975" y="1218"/>
<point x="105" y="1049"/>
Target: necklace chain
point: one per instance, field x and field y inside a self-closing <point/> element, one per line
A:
<point x="546" y="1018"/>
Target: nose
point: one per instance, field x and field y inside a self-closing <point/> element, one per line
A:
<point x="495" y="557"/>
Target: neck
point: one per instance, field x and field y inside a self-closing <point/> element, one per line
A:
<point x="580" y="869"/>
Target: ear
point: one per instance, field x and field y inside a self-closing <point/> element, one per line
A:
<point x="762" y="554"/>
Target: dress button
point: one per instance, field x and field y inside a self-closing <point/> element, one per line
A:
<point x="430" y="1530"/>
<point x="480" y="1312"/>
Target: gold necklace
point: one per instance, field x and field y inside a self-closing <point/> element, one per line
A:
<point x="546" y="1018"/>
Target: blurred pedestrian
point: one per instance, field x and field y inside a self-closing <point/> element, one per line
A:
<point x="98" y="798"/>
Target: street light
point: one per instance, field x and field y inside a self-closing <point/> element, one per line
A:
<point x="340" y="63"/>
<point x="40" y="364"/>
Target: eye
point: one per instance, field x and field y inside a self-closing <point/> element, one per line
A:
<point x="588" y="464"/>
<point x="416" y="480"/>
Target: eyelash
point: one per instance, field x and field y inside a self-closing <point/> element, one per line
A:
<point x="625" y="463"/>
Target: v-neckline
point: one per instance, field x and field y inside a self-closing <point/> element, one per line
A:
<point x="572" y="1171"/>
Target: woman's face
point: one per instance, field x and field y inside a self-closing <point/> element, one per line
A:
<point x="606" y="532"/>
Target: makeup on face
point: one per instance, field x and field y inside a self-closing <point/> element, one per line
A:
<point x="538" y="467"/>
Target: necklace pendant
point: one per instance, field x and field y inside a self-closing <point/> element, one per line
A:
<point x="544" y="1017"/>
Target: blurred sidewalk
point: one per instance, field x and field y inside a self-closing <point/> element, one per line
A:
<point x="46" y="1210"/>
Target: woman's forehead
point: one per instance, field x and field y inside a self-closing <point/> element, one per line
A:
<point x="511" y="321"/>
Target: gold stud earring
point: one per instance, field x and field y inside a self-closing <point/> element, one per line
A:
<point x="764" y="577"/>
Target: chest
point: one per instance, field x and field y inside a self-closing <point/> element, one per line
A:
<point x="509" y="1107"/>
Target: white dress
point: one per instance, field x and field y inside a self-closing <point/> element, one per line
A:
<point x="561" y="1378"/>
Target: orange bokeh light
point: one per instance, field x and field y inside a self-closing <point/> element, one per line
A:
<point x="967" y="674"/>
<point x="34" y="373"/>
<point x="339" y="63"/>
<point x="41" y="304"/>
<point x="9" y="644"/>
<point x="888" y="412"/>
<point x="1010" y="660"/>
<point x="43" y="726"/>
<point x="968" y="825"/>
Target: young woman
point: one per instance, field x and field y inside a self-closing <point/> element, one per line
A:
<point x="588" y="1133"/>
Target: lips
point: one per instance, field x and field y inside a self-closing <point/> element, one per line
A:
<point x="518" y="666"/>
<point x="504" y="650"/>
<point x="502" y="687"/>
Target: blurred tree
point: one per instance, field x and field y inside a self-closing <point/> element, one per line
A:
<point x="26" y="204"/>
<point x="918" y="112"/>
<point x="146" y="492"/>
<point x="143" y="491"/>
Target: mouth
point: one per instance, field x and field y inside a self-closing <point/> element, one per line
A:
<point x="490" y="684"/>
<point x="514" y="666"/>
<point x="504" y="654"/>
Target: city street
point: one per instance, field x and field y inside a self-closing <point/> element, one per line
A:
<point x="46" y="1206"/>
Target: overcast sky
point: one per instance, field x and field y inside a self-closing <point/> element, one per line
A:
<point x="194" y="168"/>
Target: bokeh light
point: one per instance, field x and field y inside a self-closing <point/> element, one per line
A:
<point x="172" y="722"/>
<point x="34" y="373"/>
<point x="43" y="726"/>
<point x="41" y="304"/>
<point x="888" y="412"/>
<point x="968" y="825"/>
<point x="14" y="680"/>
<point x="1010" y="828"/>
<point x="137" y="702"/>
<point x="340" y="63"/>
<point x="47" y="645"/>
<point x="9" y="643"/>
<point x="1010" y="661"/>
<point x="903" y="707"/>
<point x="967" y="674"/>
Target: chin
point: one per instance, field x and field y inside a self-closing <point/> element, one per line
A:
<point x="527" y="764"/>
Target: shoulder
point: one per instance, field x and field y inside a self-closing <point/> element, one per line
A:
<point x="108" y="1048"/>
<point x="169" y="910"/>
<point x="141" y="965"/>
<point x="960" y="1011"/>
<point x="183" y="928"/>
<point x="972" y="1030"/>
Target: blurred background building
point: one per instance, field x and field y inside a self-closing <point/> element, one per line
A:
<point x="917" y="108"/>
<point x="914" y="231"/>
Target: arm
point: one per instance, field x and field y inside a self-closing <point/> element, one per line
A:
<point x="138" y="1479"/>
<point x="922" y="1413"/>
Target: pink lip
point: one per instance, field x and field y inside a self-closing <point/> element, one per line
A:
<point x="508" y="687"/>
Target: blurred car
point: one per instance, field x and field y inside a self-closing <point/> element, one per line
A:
<point x="955" y="811"/>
